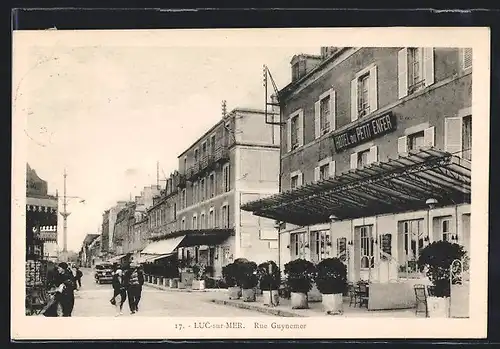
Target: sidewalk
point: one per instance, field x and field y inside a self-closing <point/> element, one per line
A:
<point x="168" y="289"/>
<point x="315" y="309"/>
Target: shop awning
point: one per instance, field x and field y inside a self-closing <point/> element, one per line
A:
<point x="151" y="257"/>
<point x="396" y="185"/>
<point x="189" y="238"/>
<point x="116" y="258"/>
<point x="162" y="247"/>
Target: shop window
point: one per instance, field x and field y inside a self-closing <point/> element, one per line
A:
<point x="298" y="245"/>
<point x="367" y="247"/>
<point x="342" y="249"/>
<point x="319" y="242"/>
<point x="414" y="238"/>
<point x="445" y="230"/>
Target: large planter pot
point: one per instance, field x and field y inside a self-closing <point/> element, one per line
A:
<point x="333" y="303"/>
<point x="248" y="295"/>
<point x="234" y="292"/>
<point x="273" y="295"/>
<point x="438" y="307"/>
<point x="198" y="284"/>
<point x="173" y="283"/>
<point x="299" y="300"/>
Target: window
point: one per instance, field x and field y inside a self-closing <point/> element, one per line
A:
<point x="295" y="131"/>
<point x="196" y="156"/>
<point x="342" y="249"/>
<point x="416" y="141"/>
<point x="324" y="115"/>
<point x="195" y="192"/>
<point x="363" y="102"/>
<point x="445" y="230"/>
<point x="319" y="245"/>
<point x="324" y="172"/>
<point x="202" y="189"/>
<point x="224" y="217"/>
<point x="212" y="185"/>
<point x="298" y="243"/>
<point x="414" y="239"/>
<point x="211" y="221"/>
<point x="183" y="199"/>
<point x="183" y="223"/>
<point x="185" y="165"/>
<point x="363" y="157"/>
<point x="415" y="64"/>
<point x="212" y="145"/>
<point x="467" y="137"/>
<point x="367" y="244"/>
<point x="295" y="182"/>
<point x="175" y="211"/>
<point x="415" y="69"/>
<point x="195" y="222"/>
<point x="226" y="178"/>
<point x="458" y="135"/>
<point x="202" y="221"/>
<point x="466" y="58"/>
<point x="204" y="150"/>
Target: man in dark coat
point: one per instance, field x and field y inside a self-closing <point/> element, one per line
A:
<point x="78" y="277"/>
<point x="134" y="279"/>
<point x="65" y="284"/>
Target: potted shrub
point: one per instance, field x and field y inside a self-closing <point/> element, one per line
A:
<point x="436" y="259"/>
<point x="269" y="282"/>
<point x="299" y="277"/>
<point x="331" y="279"/>
<point x="229" y="273"/>
<point x="247" y="280"/>
<point x="199" y="272"/>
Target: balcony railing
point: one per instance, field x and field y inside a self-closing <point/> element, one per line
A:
<point x="182" y="181"/>
<point x="208" y="162"/>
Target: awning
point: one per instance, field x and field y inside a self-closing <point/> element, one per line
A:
<point x="151" y="257"/>
<point x="116" y="258"/>
<point x="165" y="246"/>
<point x="397" y="185"/>
<point x="188" y="238"/>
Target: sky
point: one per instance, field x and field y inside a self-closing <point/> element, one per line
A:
<point x="108" y="110"/>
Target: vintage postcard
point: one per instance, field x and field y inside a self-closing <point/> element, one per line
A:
<point x="250" y="183"/>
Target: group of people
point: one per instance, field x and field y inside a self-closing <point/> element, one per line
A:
<point x="127" y="282"/>
<point x="63" y="283"/>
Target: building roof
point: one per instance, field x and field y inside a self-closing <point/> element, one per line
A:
<point x="211" y="129"/>
<point x="89" y="238"/>
<point x="398" y="185"/>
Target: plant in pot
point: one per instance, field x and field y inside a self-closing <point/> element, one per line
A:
<point x="247" y="279"/>
<point x="229" y="273"/>
<point x="331" y="280"/>
<point x="269" y="282"/>
<point x="199" y="272"/>
<point x="436" y="259"/>
<point x="299" y="277"/>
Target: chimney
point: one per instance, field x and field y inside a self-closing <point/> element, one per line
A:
<point x="327" y="51"/>
<point x="303" y="64"/>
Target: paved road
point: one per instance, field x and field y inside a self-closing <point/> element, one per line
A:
<point x="93" y="300"/>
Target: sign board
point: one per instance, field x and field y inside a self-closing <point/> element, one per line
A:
<point x="365" y="132"/>
<point x="47" y="235"/>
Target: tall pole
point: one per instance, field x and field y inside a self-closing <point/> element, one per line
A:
<point x="65" y="215"/>
<point x="157" y="174"/>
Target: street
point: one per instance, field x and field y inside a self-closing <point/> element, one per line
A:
<point x="93" y="300"/>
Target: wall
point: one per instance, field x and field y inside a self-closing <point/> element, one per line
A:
<point x="251" y="128"/>
<point x="257" y="169"/>
<point x="450" y="93"/>
<point x="387" y="224"/>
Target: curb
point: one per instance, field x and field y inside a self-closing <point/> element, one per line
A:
<point x="248" y="306"/>
<point x="168" y="289"/>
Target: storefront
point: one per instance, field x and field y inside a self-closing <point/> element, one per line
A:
<point x="377" y="218"/>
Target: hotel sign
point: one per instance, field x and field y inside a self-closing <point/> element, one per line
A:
<point x="365" y="132"/>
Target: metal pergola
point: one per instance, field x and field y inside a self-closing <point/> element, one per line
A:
<point x="397" y="185"/>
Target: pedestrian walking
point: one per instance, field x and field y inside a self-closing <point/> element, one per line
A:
<point x="65" y="295"/>
<point x="119" y="290"/>
<point x="134" y="279"/>
<point x="78" y="277"/>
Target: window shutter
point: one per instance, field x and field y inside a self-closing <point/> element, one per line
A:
<point x="354" y="161"/>
<point x="373" y="89"/>
<point x="333" y="110"/>
<point x="300" y="180"/>
<point x="317" y="123"/>
<point x="331" y="169"/>
<point x="316" y="174"/>
<point x="466" y="58"/>
<point x="403" y="145"/>
<point x="289" y="134"/>
<point x="403" y="73"/>
<point x="428" y="65"/>
<point x="453" y="135"/>
<point x="429" y="137"/>
<point x="354" y="100"/>
<point x="301" y="128"/>
<point x="373" y="157"/>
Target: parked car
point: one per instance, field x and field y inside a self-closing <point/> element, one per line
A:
<point x="103" y="273"/>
